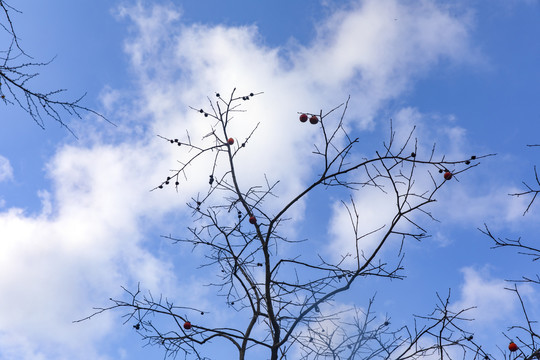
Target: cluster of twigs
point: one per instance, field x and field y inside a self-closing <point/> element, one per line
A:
<point x="281" y="295"/>
<point x="18" y="69"/>
<point x="527" y="334"/>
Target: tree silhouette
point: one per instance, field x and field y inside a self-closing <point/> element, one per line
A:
<point x="280" y="297"/>
<point x="18" y="69"/>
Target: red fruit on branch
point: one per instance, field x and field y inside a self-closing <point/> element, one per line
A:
<point x="252" y="220"/>
<point x="187" y="325"/>
<point x="512" y="346"/>
<point x="447" y="175"/>
<point x="230" y="141"/>
<point x="313" y="120"/>
<point x="303" y="118"/>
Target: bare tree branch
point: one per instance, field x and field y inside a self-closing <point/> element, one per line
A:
<point x="16" y="86"/>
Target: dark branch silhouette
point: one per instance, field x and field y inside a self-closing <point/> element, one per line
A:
<point x="18" y="69"/>
<point x="526" y="334"/>
<point x="280" y="297"/>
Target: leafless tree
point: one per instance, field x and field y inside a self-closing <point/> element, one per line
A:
<point x="280" y="297"/>
<point x="18" y="69"/>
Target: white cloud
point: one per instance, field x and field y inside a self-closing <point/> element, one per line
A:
<point x="76" y="253"/>
<point x="375" y="48"/>
<point x="488" y="295"/>
<point x="496" y="311"/>
<point x="90" y="236"/>
<point x="6" y="171"/>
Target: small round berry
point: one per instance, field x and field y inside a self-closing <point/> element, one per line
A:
<point x="512" y="346"/>
<point x="252" y="220"/>
<point x="314" y="120"/>
<point x="447" y="175"/>
<point x="303" y="118"/>
<point x="230" y="141"/>
<point x="187" y="325"/>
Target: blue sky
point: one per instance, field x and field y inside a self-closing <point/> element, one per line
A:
<point x="77" y="219"/>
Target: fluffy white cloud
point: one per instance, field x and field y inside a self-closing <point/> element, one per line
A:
<point x="6" y="171"/>
<point x="496" y="311"/>
<point x="375" y="48"/>
<point x="76" y="253"/>
<point x="488" y="299"/>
